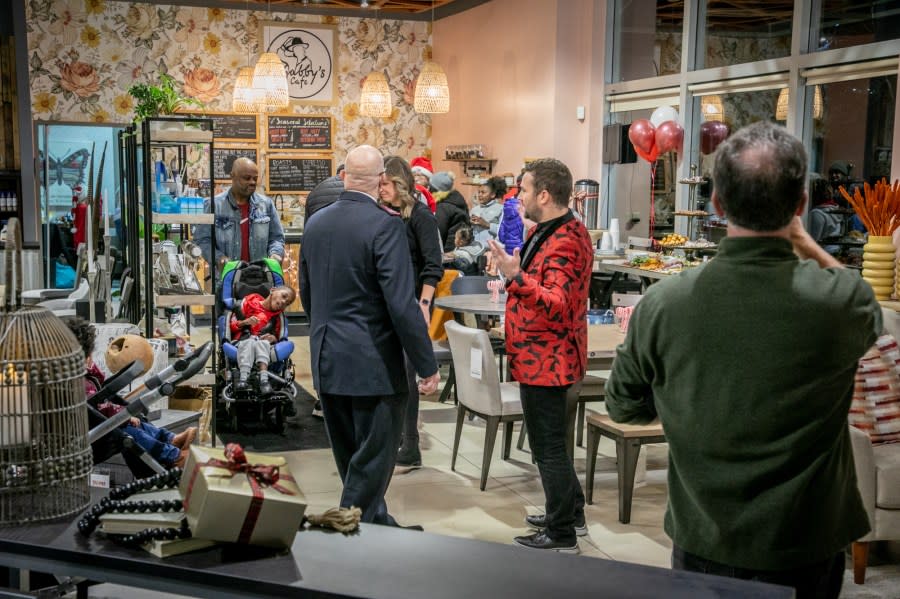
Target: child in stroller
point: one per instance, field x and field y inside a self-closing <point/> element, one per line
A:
<point x="258" y="373"/>
<point x="167" y="448"/>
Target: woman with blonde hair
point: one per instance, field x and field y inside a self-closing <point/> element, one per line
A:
<point x="398" y="192"/>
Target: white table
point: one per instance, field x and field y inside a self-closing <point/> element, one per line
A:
<point x="479" y="304"/>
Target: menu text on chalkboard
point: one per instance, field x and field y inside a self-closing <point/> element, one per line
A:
<point x="233" y="127"/>
<point x="223" y="159"/>
<point x="299" y="132"/>
<point x="296" y="174"/>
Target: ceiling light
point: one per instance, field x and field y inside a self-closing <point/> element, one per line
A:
<point x="375" y="99"/>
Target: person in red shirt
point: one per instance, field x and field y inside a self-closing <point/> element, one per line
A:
<point x="255" y="333"/>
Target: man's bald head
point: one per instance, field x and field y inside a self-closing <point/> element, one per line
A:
<point x="363" y="170"/>
<point x="244" y="174"/>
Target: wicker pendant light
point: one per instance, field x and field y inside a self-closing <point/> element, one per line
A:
<point x="781" y="106"/>
<point x="245" y="96"/>
<point x="432" y="92"/>
<point x="712" y="109"/>
<point x="375" y="98"/>
<point x="432" y="95"/>
<point x="270" y="79"/>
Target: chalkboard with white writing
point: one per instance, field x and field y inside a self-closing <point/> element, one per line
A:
<point x="299" y="132"/>
<point x="223" y="158"/>
<point x="296" y="174"/>
<point x="229" y="126"/>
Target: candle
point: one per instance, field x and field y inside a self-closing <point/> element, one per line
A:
<point x="15" y="417"/>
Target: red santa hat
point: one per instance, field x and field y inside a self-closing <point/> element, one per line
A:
<point x="421" y="166"/>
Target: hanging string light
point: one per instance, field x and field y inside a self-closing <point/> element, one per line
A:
<point x="432" y="95"/>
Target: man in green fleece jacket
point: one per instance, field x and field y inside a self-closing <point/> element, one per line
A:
<point x="749" y="361"/>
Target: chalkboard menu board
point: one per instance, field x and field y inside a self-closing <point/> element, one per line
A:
<point x="296" y="174"/>
<point x="229" y="126"/>
<point x="223" y="158"/>
<point x="299" y="132"/>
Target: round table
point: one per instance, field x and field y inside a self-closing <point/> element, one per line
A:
<point x="475" y="303"/>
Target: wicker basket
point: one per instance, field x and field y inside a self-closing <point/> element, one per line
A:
<point x="44" y="451"/>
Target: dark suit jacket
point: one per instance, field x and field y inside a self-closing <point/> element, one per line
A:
<point x="356" y="285"/>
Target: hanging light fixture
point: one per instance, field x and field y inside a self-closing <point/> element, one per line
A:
<point x="375" y="98"/>
<point x="432" y="94"/>
<point x="270" y="79"/>
<point x="781" y="106"/>
<point x="245" y="97"/>
<point x="712" y="108"/>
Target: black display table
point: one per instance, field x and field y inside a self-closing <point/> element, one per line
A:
<point x="377" y="561"/>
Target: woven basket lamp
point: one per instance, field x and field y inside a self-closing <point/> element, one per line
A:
<point x="245" y="96"/>
<point x="375" y="98"/>
<point x="432" y="92"/>
<point x="270" y="79"/>
<point x="44" y="452"/>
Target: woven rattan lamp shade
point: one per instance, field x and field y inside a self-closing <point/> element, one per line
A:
<point x="712" y="109"/>
<point x="245" y="96"/>
<point x="781" y="106"/>
<point x="375" y="98"/>
<point x="270" y="80"/>
<point x="432" y="92"/>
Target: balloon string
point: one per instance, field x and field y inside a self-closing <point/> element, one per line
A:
<point x="652" y="203"/>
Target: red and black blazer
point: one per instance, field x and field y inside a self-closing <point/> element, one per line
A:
<point x="546" y="314"/>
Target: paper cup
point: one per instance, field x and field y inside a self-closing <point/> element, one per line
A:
<point x="606" y="242"/>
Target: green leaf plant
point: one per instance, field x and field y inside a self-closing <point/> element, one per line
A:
<point x="159" y="100"/>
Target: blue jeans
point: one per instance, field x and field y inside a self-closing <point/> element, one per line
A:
<point x="545" y="419"/>
<point x="364" y="432"/>
<point x="155" y="441"/>
<point x="821" y="580"/>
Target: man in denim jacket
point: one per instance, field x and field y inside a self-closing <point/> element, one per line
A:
<point x="247" y="224"/>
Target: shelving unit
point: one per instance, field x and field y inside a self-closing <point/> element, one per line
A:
<point x="11" y="183"/>
<point x="479" y="166"/>
<point x="142" y="146"/>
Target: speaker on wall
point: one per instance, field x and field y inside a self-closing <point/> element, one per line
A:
<point x="617" y="148"/>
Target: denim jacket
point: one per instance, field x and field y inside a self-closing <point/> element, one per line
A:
<point x="266" y="234"/>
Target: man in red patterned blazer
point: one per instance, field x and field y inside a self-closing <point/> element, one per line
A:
<point x="546" y="341"/>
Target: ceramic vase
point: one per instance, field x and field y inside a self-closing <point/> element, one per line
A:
<point x="879" y="265"/>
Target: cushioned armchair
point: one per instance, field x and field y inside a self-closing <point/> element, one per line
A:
<point x="878" y="477"/>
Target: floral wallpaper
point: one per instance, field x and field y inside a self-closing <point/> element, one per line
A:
<point x="85" y="54"/>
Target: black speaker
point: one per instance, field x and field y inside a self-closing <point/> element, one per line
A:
<point x="617" y="148"/>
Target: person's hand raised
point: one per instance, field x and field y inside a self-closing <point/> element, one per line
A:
<point x="508" y="265"/>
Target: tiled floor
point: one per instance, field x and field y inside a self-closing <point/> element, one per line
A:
<point x="448" y="502"/>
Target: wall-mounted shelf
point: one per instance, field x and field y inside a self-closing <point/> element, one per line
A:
<point x="475" y="166"/>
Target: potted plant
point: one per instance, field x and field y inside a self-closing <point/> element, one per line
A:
<point x="159" y="100"/>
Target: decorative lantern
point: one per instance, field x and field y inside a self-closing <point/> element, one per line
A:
<point x="44" y="452"/>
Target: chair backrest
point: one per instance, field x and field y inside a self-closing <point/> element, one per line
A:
<point x="470" y="285"/>
<point x="479" y="394"/>
<point x="625" y="299"/>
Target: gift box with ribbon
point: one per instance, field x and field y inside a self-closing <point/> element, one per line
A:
<point x="235" y="497"/>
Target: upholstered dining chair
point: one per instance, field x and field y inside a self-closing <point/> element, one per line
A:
<point x="482" y="395"/>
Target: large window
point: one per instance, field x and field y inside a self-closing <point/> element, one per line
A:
<point x="844" y="23"/>
<point x="736" y="33"/>
<point x="647" y="39"/>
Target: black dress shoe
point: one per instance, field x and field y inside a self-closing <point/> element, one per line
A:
<point x="241" y="387"/>
<point x="540" y="540"/>
<point x="539" y="522"/>
<point x="414" y="527"/>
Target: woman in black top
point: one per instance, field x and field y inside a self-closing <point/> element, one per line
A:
<point x="398" y="191"/>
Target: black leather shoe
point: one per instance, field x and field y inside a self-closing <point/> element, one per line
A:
<point x="540" y="540"/>
<point x="265" y="388"/>
<point x="539" y="522"/>
<point x="241" y="387"/>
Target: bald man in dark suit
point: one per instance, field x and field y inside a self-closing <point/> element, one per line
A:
<point x="357" y="288"/>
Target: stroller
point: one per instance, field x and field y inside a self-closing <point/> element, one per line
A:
<point x="240" y="279"/>
<point x="105" y="436"/>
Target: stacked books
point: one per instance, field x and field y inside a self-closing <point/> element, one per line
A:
<point x="133" y="522"/>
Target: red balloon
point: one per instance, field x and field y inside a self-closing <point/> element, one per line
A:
<point x="650" y="156"/>
<point x="669" y="136"/>
<point x="642" y="135"/>
<point x="712" y="133"/>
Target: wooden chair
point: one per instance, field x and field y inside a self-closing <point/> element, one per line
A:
<point x="593" y="388"/>
<point x="486" y="397"/>
<point x="628" y="438"/>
